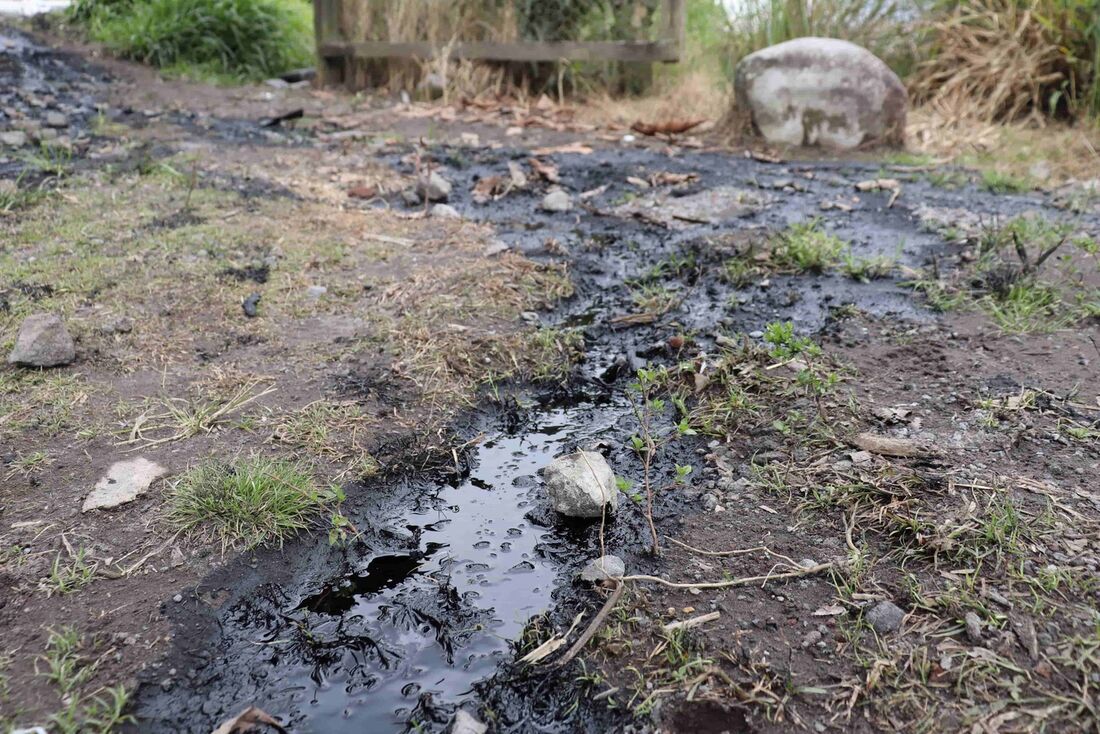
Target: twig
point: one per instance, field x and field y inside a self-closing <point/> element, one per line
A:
<point x="736" y="552"/>
<point x="683" y="624"/>
<point x="594" y="625"/>
<point x="734" y="582"/>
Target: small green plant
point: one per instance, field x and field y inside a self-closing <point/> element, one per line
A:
<point x="51" y="159"/>
<point x="72" y="575"/>
<point x="254" y="502"/>
<point x="806" y="247"/>
<point x="650" y="439"/>
<point x="654" y="298"/>
<point x="1004" y="183"/>
<point x="866" y="269"/>
<point x="1026" y="307"/>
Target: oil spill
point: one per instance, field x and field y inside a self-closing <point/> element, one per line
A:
<point x="422" y="613"/>
<point x="394" y="631"/>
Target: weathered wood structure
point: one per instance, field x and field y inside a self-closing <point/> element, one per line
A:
<point x="337" y="48"/>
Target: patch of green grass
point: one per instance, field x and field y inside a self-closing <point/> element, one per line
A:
<point x="99" y="712"/>
<point x="257" y="501"/>
<point x="948" y="179"/>
<point x="806" y="247"/>
<point x="866" y="269"/>
<point x="221" y="40"/>
<point x="67" y="576"/>
<point x="654" y="298"/>
<point x="1005" y="183"/>
<point x="1026" y="307"/>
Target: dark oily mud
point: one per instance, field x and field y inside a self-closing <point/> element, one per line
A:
<point x="424" y="612"/>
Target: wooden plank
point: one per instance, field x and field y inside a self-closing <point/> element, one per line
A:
<point x="520" y="51"/>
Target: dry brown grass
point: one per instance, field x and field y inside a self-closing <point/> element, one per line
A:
<point x="995" y="61"/>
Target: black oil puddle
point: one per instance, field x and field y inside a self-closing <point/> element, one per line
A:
<point x="423" y="613"/>
<point x="391" y="633"/>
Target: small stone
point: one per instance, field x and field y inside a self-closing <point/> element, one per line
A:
<point x="710" y="502"/>
<point x="466" y="723"/>
<point x="812" y="638"/>
<point x="56" y="119"/>
<point x="121" y="325"/>
<point x="602" y="568"/>
<point x="973" y="627"/>
<point x="125" y="482"/>
<point x="177" y="598"/>
<point x="410" y="197"/>
<point x="445" y="211"/>
<point x="557" y="201"/>
<point x="316" y="291"/>
<point x="433" y="187"/>
<point x="13" y="138"/>
<point x="43" y="341"/>
<point x="581" y="485"/>
<point x="885" y="617"/>
<point x="807" y="563"/>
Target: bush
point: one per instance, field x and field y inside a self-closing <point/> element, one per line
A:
<point x="238" y="39"/>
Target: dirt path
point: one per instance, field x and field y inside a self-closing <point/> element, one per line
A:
<point x="433" y="365"/>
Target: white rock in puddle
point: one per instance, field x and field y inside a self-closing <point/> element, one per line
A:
<point x="433" y="187"/>
<point x="604" y="567"/>
<point x="581" y="485"/>
<point x="125" y="482"/>
<point x="444" y="211"/>
<point x="465" y="723"/>
<point x="43" y="341"/>
<point x="557" y="201"/>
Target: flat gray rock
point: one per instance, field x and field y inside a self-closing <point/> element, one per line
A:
<point x="602" y="568"/>
<point x="14" y="138"/>
<point x="581" y="485"/>
<point x="821" y="91"/>
<point x="557" y="201"/>
<point x="433" y="187"/>
<point x="125" y="482"/>
<point x="43" y="341"/>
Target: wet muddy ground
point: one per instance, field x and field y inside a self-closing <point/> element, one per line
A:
<point x="460" y="565"/>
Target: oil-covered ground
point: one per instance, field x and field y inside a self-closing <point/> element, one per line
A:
<point x="862" y="395"/>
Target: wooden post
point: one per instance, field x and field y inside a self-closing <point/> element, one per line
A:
<point x="677" y="27"/>
<point x="326" y="31"/>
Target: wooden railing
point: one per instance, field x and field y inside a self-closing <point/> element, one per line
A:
<point x="335" y="49"/>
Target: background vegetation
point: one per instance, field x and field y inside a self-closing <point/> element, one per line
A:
<point x="990" y="60"/>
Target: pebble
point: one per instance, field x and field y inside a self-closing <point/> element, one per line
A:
<point x="433" y="187"/>
<point x="56" y="119"/>
<point x="885" y="617"/>
<point x="557" y="201"/>
<point x="177" y="598"/>
<point x="444" y="211"/>
<point x="604" y="567"/>
<point x="316" y="291"/>
<point x="14" y="138"/>
<point x="973" y="627"/>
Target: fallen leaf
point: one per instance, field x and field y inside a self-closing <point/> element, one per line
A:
<point x="879" y="184"/>
<point x="667" y="127"/>
<point x="362" y="191"/>
<point x="634" y="319"/>
<point x="832" y="610"/>
<point x="246" y="720"/>
<point x="547" y="171"/>
<point x="763" y="156"/>
<point x="574" y="147"/>
<point x="641" y="183"/>
<point x="489" y="189"/>
<point x="667" y="178"/>
<point x="592" y="193"/>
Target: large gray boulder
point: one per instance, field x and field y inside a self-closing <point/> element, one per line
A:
<point x="581" y="485"/>
<point x="821" y="91"/>
<point x="43" y="341"/>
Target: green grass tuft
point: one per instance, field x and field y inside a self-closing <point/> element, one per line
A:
<point x="224" y="40"/>
<point x="806" y="247"/>
<point x="255" y="502"/>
